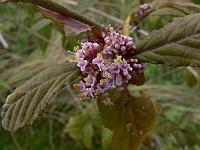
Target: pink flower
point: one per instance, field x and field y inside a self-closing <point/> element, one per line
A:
<point x="82" y="64"/>
<point x="106" y="68"/>
<point x="99" y="61"/>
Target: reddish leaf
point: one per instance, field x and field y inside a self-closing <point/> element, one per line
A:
<point x="71" y="26"/>
<point x="131" y="118"/>
<point x="144" y="114"/>
<point x="137" y="78"/>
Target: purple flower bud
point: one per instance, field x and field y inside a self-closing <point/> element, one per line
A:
<point x="139" y="66"/>
<point x="122" y="42"/>
<point x="128" y="76"/>
<point x="106" y="38"/>
<point x="135" y="65"/>
<point x="129" y="39"/>
<point x="108" y="42"/>
<point x="129" y="44"/>
<point x="119" y="80"/>
<point x="117" y="46"/>
<point x="123" y="48"/>
<point x="96" y="46"/>
<point x="85" y="45"/>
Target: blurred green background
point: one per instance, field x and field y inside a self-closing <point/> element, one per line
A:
<point x="30" y="43"/>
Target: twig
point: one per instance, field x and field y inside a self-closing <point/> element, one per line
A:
<point x="15" y="141"/>
<point x="51" y="134"/>
<point x="36" y="35"/>
<point x="108" y="16"/>
<point x="3" y="41"/>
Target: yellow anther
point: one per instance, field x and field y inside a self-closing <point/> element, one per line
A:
<point x="102" y="81"/>
<point x="119" y="58"/>
<point x="77" y="59"/>
<point x="87" y="79"/>
<point x="107" y="75"/>
<point x="76" y="85"/>
<point x="111" y="28"/>
<point x="82" y="96"/>
<point x="96" y="92"/>
<point x="106" y="61"/>
<point x="76" y="48"/>
<point x="98" y="55"/>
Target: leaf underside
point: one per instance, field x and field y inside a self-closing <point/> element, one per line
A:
<point x="177" y="44"/>
<point x="28" y="101"/>
<point x="174" y="8"/>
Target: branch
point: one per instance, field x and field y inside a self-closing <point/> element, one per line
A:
<point x="49" y="4"/>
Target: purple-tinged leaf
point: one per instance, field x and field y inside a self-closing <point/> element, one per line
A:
<point x="131" y="118"/>
<point x="176" y="44"/>
<point x="71" y="26"/>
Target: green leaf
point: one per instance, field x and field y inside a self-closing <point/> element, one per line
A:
<point x="177" y="7"/>
<point x="106" y="139"/>
<point x="131" y="118"/>
<point x="88" y="133"/>
<point x="177" y="44"/>
<point x="75" y="126"/>
<point x="168" y="12"/>
<point x="28" y="101"/>
<point x="83" y="126"/>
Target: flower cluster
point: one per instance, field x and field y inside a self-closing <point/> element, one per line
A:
<point x="105" y="65"/>
<point x="139" y="15"/>
<point x="142" y="10"/>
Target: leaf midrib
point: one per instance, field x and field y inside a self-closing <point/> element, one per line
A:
<point x="166" y="43"/>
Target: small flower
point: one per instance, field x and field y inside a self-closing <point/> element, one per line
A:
<point x="82" y="86"/>
<point x="99" y="61"/>
<point x="104" y="85"/>
<point x="90" y="81"/>
<point x="82" y="64"/>
<point x="114" y="69"/>
<point x="79" y="54"/>
<point x="89" y="92"/>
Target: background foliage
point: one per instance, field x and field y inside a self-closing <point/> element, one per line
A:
<point x="35" y="43"/>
